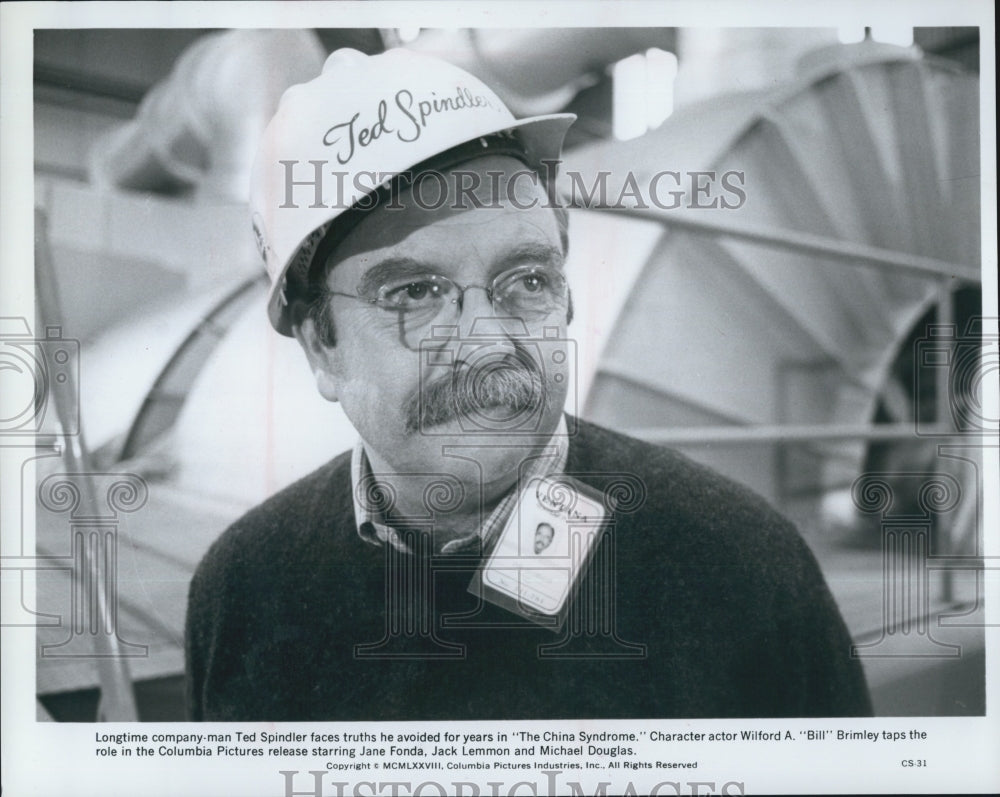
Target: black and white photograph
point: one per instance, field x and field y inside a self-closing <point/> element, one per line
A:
<point x="499" y="398"/>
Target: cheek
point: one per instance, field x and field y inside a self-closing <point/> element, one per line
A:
<point x="371" y="409"/>
<point x="383" y="334"/>
<point x="375" y="386"/>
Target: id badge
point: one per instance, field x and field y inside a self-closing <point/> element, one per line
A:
<point x="542" y="553"/>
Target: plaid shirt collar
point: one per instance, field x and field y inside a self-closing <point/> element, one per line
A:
<point x="373" y="529"/>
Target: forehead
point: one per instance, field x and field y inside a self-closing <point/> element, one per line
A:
<point x="473" y="213"/>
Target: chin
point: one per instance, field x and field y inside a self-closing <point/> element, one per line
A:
<point x="486" y="432"/>
<point x="453" y="441"/>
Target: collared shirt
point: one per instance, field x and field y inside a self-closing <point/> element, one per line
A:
<point x="372" y="528"/>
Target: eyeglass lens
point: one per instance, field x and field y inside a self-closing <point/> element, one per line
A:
<point x="530" y="294"/>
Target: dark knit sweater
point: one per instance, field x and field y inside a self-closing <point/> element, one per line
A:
<point x="716" y="608"/>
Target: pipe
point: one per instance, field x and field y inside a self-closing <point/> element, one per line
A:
<point x="200" y="126"/>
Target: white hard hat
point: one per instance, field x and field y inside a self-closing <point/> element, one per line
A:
<point x="363" y="120"/>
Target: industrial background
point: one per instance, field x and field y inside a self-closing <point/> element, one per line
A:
<point x="820" y="343"/>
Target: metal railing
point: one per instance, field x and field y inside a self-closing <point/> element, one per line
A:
<point x="117" y="700"/>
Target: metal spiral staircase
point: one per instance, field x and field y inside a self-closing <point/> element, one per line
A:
<point x="760" y="338"/>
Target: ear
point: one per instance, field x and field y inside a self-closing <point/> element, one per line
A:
<point x="321" y="358"/>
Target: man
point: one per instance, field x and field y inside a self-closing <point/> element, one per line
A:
<point x="543" y="536"/>
<point x="405" y="219"/>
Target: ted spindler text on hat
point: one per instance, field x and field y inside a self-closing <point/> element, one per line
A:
<point x="351" y="135"/>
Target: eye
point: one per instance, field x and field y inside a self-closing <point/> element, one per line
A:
<point x="533" y="283"/>
<point x="417" y="290"/>
<point x="412" y="294"/>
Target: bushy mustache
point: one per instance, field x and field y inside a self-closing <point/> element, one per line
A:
<point x="513" y="383"/>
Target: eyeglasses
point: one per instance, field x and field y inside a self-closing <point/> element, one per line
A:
<point x="421" y="301"/>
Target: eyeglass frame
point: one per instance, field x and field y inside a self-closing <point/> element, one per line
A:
<point x="490" y="290"/>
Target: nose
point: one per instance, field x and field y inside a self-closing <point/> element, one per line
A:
<point x="475" y="308"/>
<point x="477" y="315"/>
<point x="478" y="321"/>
